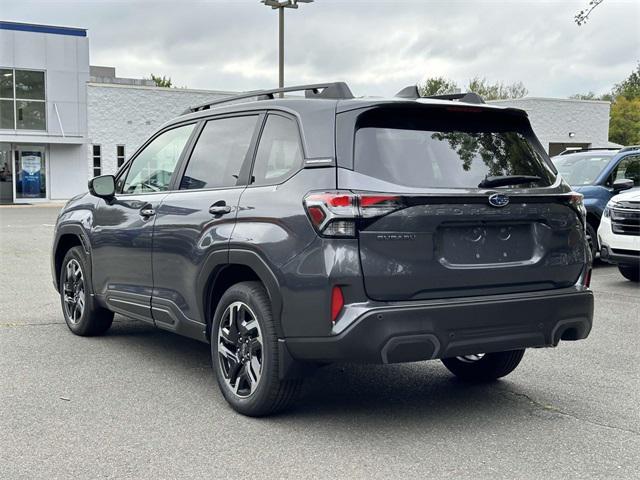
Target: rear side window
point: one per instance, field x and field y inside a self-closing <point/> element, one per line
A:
<point x="446" y="147"/>
<point x="279" y="154"/>
<point x="219" y="153"/>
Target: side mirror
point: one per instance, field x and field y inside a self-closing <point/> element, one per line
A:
<point x="622" y="184"/>
<point x="103" y="186"/>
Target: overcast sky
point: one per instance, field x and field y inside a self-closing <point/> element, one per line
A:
<point x="377" y="46"/>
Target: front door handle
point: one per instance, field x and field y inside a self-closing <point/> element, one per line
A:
<point x="147" y="212"/>
<point x="220" y="208"/>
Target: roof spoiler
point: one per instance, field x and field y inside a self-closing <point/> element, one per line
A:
<point x="412" y="92"/>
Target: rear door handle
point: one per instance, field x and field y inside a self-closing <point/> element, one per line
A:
<point x="220" y="208"/>
<point x="147" y="212"/>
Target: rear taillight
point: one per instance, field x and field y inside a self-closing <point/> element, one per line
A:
<point x="576" y="202"/>
<point x="336" y="214"/>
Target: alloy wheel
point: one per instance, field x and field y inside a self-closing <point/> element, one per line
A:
<point x="74" y="292"/>
<point x="240" y="351"/>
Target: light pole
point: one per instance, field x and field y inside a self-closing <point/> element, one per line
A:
<point x="280" y="5"/>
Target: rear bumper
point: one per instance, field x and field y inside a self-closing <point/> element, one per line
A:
<point x="412" y="332"/>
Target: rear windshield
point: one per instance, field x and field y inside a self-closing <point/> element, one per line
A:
<point x="453" y="147"/>
<point x="581" y="169"/>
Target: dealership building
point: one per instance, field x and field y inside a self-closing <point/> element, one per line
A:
<point x="63" y="121"/>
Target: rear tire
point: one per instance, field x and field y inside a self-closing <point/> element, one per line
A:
<point x="630" y="272"/>
<point x="245" y="355"/>
<point x="82" y="314"/>
<point x="484" y="368"/>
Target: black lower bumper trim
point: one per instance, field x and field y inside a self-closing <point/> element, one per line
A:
<point x="405" y="333"/>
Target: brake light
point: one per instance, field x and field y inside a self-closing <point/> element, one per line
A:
<point x="335" y="214"/>
<point x="337" y="303"/>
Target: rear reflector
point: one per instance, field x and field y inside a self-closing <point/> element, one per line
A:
<point x="586" y="279"/>
<point x="337" y="302"/>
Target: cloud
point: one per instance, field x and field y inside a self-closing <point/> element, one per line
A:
<point x="376" y="46"/>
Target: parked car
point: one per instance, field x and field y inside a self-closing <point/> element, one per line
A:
<point x="619" y="234"/>
<point x="296" y="232"/>
<point x="599" y="174"/>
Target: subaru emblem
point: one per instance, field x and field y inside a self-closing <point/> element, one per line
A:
<point x="498" y="200"/>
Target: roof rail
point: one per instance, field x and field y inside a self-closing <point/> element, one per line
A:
<point x="334" y="90"/>
<point x="630" y="147"/>
<point x="569" y="150"/>
<point x="412" y="92"/>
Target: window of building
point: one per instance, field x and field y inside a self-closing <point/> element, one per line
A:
<point x="279" y="154"/>
<point x="120" y="157"/>
<point x="219" y="154"/>
<point x="152" y="169"/>
<point x="97" y="160"/>
<point x="22" y="100"/>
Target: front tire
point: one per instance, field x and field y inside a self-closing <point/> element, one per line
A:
<point x="630" y="272"/>
<point x="484" y="367"/>
<point x="592" y="239"/>
<point x="82" y="314"/>
<point x="244" y="352"/>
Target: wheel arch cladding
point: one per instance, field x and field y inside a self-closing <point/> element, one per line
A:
<point x="65" y="242"/>
<point x="242" y="266"/>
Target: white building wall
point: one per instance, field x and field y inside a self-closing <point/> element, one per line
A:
<point x="128" y="115"/>
<point x="553" y="119"/>
<point x="67" y="171"/>
<point x="65" y="60"/>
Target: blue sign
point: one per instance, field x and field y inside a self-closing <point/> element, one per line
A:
<point x="30" y="174"/>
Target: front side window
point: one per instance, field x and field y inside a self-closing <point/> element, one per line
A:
<point x="22" y="99"/>
<point x="629" y="168"/>
<point x="279" y="154"/>
<point x="152" y="169"/>
<point x="219" y="153"/>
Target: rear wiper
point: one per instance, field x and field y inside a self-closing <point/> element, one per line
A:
<point x="503" y="180"/>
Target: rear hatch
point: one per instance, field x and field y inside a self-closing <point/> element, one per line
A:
<point x="473" y="205"/>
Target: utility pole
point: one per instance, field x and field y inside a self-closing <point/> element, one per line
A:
<point x="280" y="5"/>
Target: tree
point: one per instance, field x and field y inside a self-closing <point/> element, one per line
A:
<point x="161" y="81"/>
<point x="629" y="88"/>
<point x="592" y="96"/>
<point x="583" y="15"/>
<point x="497" y="90"/>
<point x="437" y="86"/>
<point x="624" y="125"/>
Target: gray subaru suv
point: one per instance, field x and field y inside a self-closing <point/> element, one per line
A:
<point x="295" y="231"/>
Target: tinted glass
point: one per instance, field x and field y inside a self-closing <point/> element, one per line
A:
<point x="30" y="115"/>
<point x="152" y="169"/>
<point x="279" y="154"/>
<point x="29" y="85"/>
<point x="446" y="147"/>
<point x="219" y="153"/>
<point x="581" y="169"/>
<point x="6" y="83"/>
<point x="629" y="168"/>
<point x="6" y="114"/>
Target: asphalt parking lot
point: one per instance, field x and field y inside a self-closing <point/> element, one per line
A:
<point x="143" y="403"/>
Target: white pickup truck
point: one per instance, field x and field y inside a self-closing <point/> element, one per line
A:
<point x="619" y="234"/>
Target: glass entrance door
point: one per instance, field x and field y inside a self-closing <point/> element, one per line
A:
<point x="30" y="173"/>
<point x="6" y="174"/>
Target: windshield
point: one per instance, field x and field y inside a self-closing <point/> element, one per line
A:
<point x="448" y="149"/>
<point x="581" y="169"/>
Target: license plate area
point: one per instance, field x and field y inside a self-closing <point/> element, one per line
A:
<point x="479" y="245"/>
